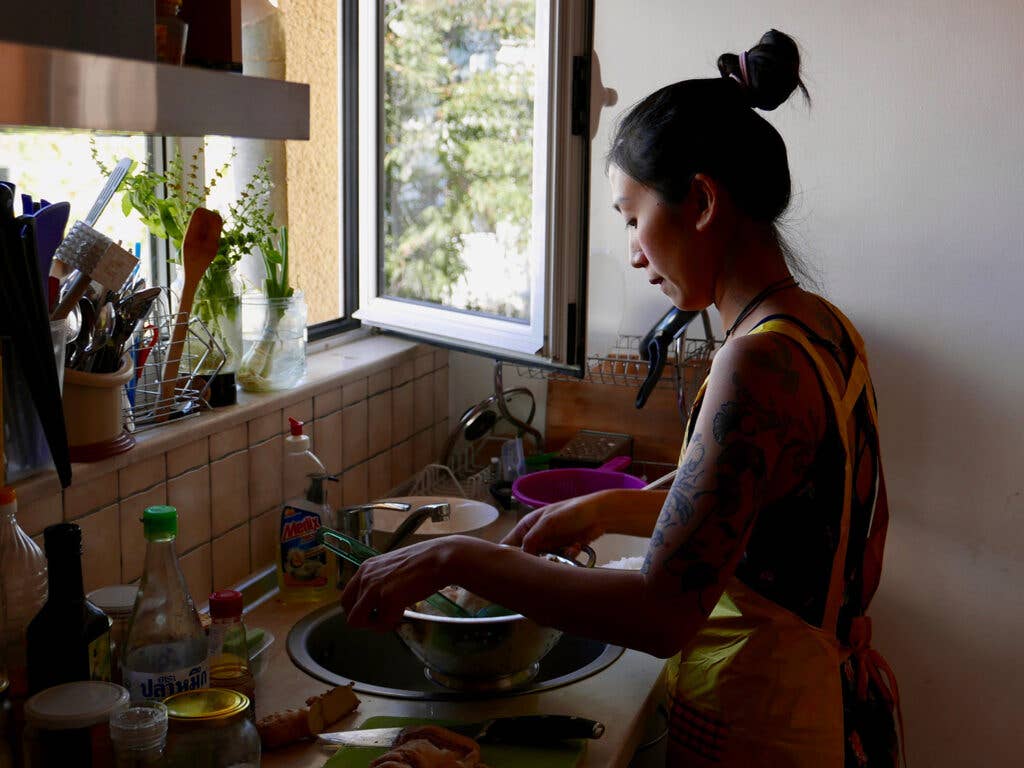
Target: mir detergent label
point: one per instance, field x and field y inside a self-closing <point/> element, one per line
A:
<point x="303" y="559"/>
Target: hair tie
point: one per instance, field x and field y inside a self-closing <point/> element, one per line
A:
<point x="743" y="69"/>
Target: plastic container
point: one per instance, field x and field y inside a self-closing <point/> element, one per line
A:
<point x="209" y="728"/>
<point x="541" y="488"/>
<point x="69" y="725"/>
<point x="23" y="578"/>
<point x="167" y="648"/>
<point x="304" y="570"/>
<point x="138" y="733"/>
<point x="117" y="602"/>
<point x="259" y="653"/>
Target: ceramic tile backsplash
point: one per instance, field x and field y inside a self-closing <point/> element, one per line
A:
<point x="190" y="456"/>
<point x="328" y="442"/>
<point x="353" y="434"/>
<point x="378" y="423"/>
<point x="265" y="481"/>
<point x="101" y="548"/>
<point x="229" y="492"/>
<point x="228" y="487"/>
<point x="423" y="401"/>
<point x="328" y="402"/>
<point x="140" y="476"/>
<point x="36" y="515"/>
<point x="229" y="441"/>
<point x="231" y="557"/>
<point x="402" y="412"/>
<point x="197" y="568"/>
<point x="190" y="495"/>
<point x="92" y="495"/>
<point x="133" y="542"/>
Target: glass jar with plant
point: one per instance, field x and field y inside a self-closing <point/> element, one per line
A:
<point x="164" y="201"/>
<point x="274" y="326"/>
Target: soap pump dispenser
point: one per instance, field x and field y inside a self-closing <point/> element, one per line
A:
<point x="304" y="567"/>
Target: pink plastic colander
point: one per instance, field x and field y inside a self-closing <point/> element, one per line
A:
<point x="551" y="485"/>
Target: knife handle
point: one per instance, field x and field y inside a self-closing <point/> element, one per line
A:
<point x="536" y="728"/>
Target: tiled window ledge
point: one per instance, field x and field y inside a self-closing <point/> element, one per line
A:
<point x="376" y="407"/>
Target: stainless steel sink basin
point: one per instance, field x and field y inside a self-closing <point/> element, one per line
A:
<point x="322" y="645"/>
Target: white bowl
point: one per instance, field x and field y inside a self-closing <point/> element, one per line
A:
<point x="467" y="516"/>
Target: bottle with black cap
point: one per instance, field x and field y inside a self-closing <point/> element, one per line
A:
<point x="69" y="639"/>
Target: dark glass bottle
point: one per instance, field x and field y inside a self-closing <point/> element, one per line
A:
<point x="69" y="639"/>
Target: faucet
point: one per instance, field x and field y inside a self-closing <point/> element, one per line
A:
<point x="436" y="512"/>
<point x="357" y="521"/>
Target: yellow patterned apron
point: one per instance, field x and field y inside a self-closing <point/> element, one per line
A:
<point x="759" y="686"/>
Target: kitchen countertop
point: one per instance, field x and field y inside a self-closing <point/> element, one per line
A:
<point x="623" y="696"/>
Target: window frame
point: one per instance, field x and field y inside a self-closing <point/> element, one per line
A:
<point x="560" y="317"/>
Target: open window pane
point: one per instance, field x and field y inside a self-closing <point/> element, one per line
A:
<point x="471" y="178"/>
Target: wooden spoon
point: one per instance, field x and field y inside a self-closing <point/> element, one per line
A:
<point x="198" y="250"/>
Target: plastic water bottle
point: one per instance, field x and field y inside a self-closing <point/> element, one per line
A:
<point x="166" y="651"/>
<point x="23" y="576"/>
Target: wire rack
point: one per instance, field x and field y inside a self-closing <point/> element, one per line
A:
<point x="622" y="366"/>
<point x="201" y="359"/>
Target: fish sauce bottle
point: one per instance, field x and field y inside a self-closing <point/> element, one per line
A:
<point x="69" y="639"/>
<point x="166" y="651"/>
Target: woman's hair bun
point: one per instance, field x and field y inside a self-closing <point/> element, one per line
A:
<point x="772" y="70"/>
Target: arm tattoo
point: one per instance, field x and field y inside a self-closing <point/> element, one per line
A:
<point x="715" y="500"/>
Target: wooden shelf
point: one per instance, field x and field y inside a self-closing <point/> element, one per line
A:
<point x="53" y="88"/>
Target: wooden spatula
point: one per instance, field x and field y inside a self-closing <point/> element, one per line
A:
<point x="198" y="250"/>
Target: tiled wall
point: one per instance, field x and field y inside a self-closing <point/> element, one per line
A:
<point x="228" y="486"/>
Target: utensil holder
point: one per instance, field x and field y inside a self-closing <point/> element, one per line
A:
<point x="93" y="415"/>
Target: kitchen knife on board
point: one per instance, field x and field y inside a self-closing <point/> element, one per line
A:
<point x="525" y="729"/>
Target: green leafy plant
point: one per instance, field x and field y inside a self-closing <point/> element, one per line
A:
<point x="164" y="201"/>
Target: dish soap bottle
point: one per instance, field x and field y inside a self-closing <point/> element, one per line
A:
<point x="303" y="566"/>
<point x="166" y="651"/>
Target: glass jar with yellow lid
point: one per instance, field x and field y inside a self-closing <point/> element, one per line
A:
<point x="208" y="728"/>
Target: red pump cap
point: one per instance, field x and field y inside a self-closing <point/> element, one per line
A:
<point x="295" y="426"/>
<point x="225" y="604"/>
<point x="7" y="495"/>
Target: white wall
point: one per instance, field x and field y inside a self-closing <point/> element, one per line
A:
<point x="909" y="180"/>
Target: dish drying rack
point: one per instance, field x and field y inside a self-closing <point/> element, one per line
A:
<point x="685" y="368"/>
<point x="201" y="359"/>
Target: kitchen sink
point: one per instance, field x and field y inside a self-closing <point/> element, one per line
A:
<point x="324" y="646"/>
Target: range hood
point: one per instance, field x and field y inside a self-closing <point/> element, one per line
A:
<point x="55" y="88"/>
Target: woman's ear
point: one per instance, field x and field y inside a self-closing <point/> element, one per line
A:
<point x="707" y="197"/>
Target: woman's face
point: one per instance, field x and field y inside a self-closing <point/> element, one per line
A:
<point x="662" y="242"/>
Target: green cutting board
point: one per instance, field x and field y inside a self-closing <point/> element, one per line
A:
<point x="565" y="754"/>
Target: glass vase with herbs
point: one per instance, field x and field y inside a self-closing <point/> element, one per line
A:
<point x="274" y="325"/>
<point x="164" y="201"/>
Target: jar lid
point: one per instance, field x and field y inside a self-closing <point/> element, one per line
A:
<point x="142" y="725"/>
<point x="206" y="704"/>
<point x="225" y="604"/>
<point x="74" y="705"/>
<point x="115" y="600"/>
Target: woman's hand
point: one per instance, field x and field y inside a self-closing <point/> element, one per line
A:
<point x="384" y="586"/>
<point x="568" y="524"/>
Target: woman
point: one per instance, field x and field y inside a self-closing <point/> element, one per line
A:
<point x="755" y="578"/>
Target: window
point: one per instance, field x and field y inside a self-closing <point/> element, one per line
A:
<point x="471" y="165"/>
<point x="58" y="166"/>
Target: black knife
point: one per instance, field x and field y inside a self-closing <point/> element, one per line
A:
<point x="525" y="729"/>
